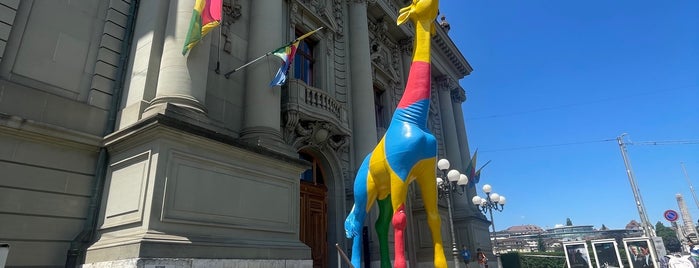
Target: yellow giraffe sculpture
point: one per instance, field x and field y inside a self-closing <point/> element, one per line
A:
<point x="406" y="153"/>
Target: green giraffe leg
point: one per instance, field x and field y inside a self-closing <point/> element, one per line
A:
<point x="382" y="224"/>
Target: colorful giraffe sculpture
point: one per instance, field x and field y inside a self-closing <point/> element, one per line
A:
<point x="406" y="153"/>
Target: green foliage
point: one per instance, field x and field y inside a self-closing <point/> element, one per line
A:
<point x="569" y="222"/>
<point x="541" y="260"/>
<point x="672" y="244"/>
<point x="511" y="260"/>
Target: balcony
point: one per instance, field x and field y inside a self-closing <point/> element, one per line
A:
<point x="312" y="116"/>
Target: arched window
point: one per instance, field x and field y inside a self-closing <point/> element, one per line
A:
<point x="313" y="175"/>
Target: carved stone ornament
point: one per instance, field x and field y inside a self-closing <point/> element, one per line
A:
<point x="231" y="13"/>
<point x="320" y="134"/>
<point x="406" y="45"/>
<point x="316" y="13"/>
<point x="318" y="6"/>
<point x="434" y="100"/>
<point x="337" y="11"/>
<point x="383" y="53"/>
<point x="434" y="122"/>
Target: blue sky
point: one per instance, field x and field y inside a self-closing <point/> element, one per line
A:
<point x="581" y="73"/>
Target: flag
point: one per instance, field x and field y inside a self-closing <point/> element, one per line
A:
<point x="206" y="16"/>
<point x="471" y="169"/>
<point x="477" y="176"/>
<point x="286" y="53"/>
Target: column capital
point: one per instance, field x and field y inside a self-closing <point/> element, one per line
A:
<point x="458" y="95"/>
<point x="447" y="84"/>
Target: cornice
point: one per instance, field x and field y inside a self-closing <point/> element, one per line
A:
<point x="446" y="46"/>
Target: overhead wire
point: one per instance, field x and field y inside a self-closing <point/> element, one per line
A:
<point x="562" y="106"/>
<point x="665" y="142"/>
<point x="672" y="142"/>
<point x="547" y="145"/>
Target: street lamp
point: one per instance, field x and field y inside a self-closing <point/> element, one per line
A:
<point x="456" y="184"/>
<point x="492" y="201"/>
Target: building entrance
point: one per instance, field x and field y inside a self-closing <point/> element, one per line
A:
<point x="314" y="211"/>
<point x="314" y="214"/>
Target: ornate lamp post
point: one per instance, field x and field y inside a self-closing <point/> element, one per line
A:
<point x="492" y="201"/>
<point x="456" y="183"/>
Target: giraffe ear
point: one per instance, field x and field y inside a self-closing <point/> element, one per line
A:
<point x="404" y="15"/>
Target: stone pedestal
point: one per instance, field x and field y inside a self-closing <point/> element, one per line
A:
<point x="199" y="263"/>
<point x="473" y="231"/>
<point x="179" y="193"/>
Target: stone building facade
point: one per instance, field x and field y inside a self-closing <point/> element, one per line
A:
<point x="116" y="150"/>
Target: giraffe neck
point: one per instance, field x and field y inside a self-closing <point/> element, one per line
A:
<point x="422" y="41"/>
<point x="414" y="105"/>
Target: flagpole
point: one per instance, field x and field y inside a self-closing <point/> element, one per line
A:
<point x="228" y="74"/>
<point x="486" y="163"/>
<point x="218" y="51"/>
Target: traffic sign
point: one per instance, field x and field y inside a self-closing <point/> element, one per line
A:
<point x="671" y="215"/>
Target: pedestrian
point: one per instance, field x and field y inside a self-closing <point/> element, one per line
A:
<point x="482" y="259"/>
<point x="465" y="254"/>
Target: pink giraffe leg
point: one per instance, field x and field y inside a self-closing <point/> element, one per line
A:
<point x="399" y="223"/>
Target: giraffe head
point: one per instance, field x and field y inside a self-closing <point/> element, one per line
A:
<point x="419" y="11"/>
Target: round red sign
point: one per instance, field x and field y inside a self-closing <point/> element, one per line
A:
<point x="671" y="215"/>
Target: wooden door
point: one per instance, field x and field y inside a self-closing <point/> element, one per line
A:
<point x="314" y="215"/>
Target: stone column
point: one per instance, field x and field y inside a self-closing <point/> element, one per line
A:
<point x="181" y="79"/>
<point x="364" y="134"/>
<point x="469" y="221"/>
<point x="363" y="118"/>
<point x="451" y="141"/>
<point x="458" y="97"/>
<point x="262" y="106"/>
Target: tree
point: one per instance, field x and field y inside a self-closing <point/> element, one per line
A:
<point x="569" y="222"/>
<point x="540" y="244"/>
<point x="672" y="244"/>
